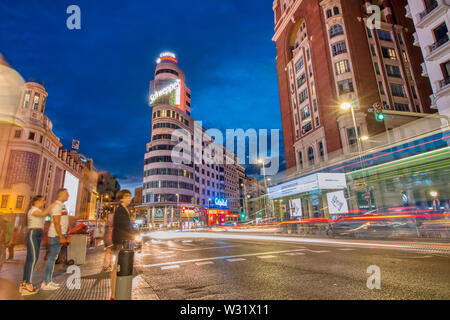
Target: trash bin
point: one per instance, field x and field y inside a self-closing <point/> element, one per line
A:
<point x="76" y="250"/>
<point x="124" y="281"/>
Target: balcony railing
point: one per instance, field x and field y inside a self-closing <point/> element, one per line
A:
<point x="438" y="44"/>
<point x="444" y="82"/>
<point x="428" y="10"/>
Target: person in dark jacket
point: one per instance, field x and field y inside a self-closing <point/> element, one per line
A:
<point x="122" y="227"/>
<point x="122" y="231"/>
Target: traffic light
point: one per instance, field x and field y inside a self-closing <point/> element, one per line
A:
<point x="378" y="112"/>
<point x="260" y="214"/>
<point x="242" y="215"/>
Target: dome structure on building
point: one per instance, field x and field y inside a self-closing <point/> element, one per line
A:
<point x="11" y="84"/>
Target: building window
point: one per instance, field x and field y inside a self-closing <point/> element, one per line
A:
<point x="313" y="88"/>
<point x="308" y="54"/>
<point x="369" y="33"/>
<point x="400" y="38"/>
<point x="305" y="113"/>
<point x="307" y="128"/>
<point x="297" y="133"/>
<point x="44" y="100"/>
<point x="317" y="122"/>
<point x="393" y="71"/>
<point x="384" y="35"/>
<point x="445" y="67"/>
<point x="389" y="53"/>
<point x="336" y="10"/>
<point x="17" y="134"/>
<point x="441" y="34"/>
<point x="311" y="156"/>
<point x="26" y="100"/>
<point x="377" y="68"/>
<point x="398" y="90"/>
<point x="303" y="95"/>
<point x="31" y="136"/>
<point x="321" y="151"/>
<point x="345" y="86"/>
<point x="380" y="84"/>
<point x="301" y="80"/>
<point x="19" y="202"/>
<point x="351" y="136"/>
<point x="299" y="65"/>
<point x="342" y="67"/>
<point x="339" y="48"/>
<point x="329" y="13"/>
<point x="315" y="105"/>
<point x="401" y="106"/>
<point x="4" y="201"/>
<point x="336" y="30"/>
<point x="36" y="101"/>
<point x="372" y="49"/>
<point x="300" y="160"/>
<point x="413" y="89"/>
<point x="405" y="56"/>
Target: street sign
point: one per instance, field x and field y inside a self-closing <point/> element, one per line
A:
<point x="367" y="196"/>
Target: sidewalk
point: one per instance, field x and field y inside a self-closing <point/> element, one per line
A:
<point x="95" y="283"/>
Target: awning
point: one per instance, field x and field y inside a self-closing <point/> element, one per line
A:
<point x="317" y="181"/>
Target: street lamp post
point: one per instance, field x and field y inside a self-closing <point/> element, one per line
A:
<point x="262" y="162"/>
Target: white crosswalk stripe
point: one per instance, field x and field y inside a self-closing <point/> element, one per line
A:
<point x="295" y="254"/>
<point x="266" y="257"/>
<point x="170" y="267"/>
<point x="234" y="260"/>
<point x="204" y="263"/>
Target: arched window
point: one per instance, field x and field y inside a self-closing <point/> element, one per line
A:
<point x="329" y="13"/>
<point x="336" y="10"/>
<point x="336" y="30"/>
<point x="311" y="156"/>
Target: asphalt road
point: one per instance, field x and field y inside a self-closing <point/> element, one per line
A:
<point x="196" y="267"/>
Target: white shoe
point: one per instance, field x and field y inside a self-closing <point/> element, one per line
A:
<point x="48" y="287"/>
<point x="54" y="284"/>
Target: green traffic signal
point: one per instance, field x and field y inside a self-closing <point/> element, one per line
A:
<point x="380" y="116"/>
<point x="260" y="213"/>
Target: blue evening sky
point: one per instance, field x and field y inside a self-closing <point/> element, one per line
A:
<point x="98" y="77"/>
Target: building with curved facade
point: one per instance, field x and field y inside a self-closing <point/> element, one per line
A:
<point x="32" y="160"/>
<point x="173" y="191"/>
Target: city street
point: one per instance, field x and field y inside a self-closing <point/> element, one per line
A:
<point x="215" y="268"/>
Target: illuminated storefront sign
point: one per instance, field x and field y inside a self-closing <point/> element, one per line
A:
<point x="187" y="212"/>
<point x="317" y="181"/>
<point x="176" y="86"/>
<point x="221" y="203"/>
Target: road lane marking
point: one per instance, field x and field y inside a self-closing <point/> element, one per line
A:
<point x="416" y="246"/>
<point x="170" y="267"/>
<point x="295" y="254"/>
<point x="234" y="260"/>
<point x="266" y="257"/>
<point x="164" y="257"/>
<point x="317" y="251"/>
<point x="207" y="248"/>
<point x="218" y="258"/>
<point x="346" y="249"/>
<point x="204" y="263"/>
<point x="166" y="252"/>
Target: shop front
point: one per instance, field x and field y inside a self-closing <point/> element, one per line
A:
<point x="320" y="195"/>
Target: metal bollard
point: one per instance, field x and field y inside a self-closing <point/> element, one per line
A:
<point x="124" y="279"/>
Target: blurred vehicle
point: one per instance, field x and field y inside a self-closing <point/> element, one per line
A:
<point x="359" y="229"/>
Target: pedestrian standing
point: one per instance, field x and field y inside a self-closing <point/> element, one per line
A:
<point x="122" y="231"/>
<point x="2" y="241"/>
<point x="9" y="236"/>
<point x="107" y="240"/>
<point x="57" y="236"/>
<point x="35" y="222"/>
